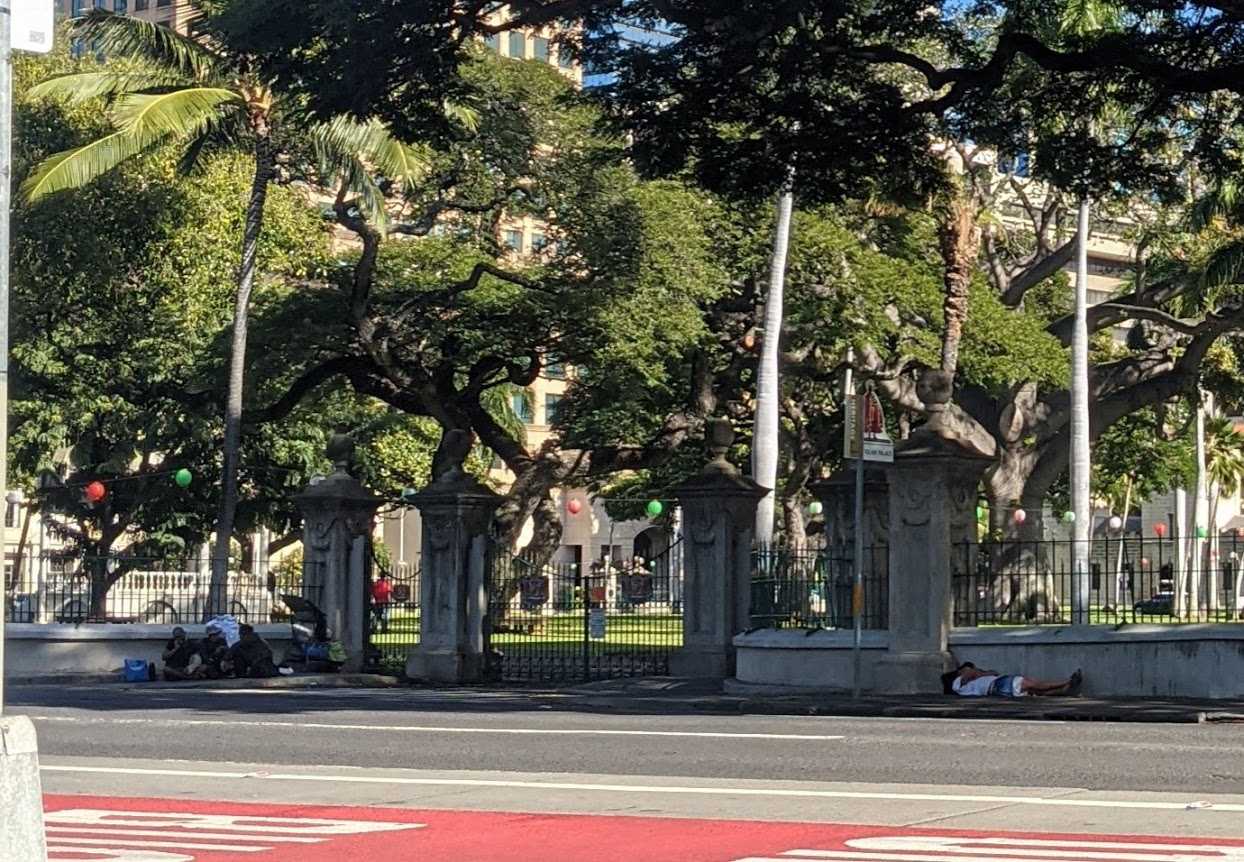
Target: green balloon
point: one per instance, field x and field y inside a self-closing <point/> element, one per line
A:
<point x="815" y="507"/>
<point x="183" y="477"/>
<point x="1201" y="532"/>
<point x="1069" y="517"/>
<point x="655" y="508"/>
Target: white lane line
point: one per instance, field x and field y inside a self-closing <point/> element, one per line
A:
<point x="54" y="830"/>
<point x="780" y="792"/>
<point x="172" y="845"/>
<point x="388" y="728"/>
<point x="998" y="855"/>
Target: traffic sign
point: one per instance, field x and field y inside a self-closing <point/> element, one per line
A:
<point x="877" y="443"/>
<point x="33" y="25"/>
<point x="596" y="624"/>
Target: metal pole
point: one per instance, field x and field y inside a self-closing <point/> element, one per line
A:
<point x="1080" y="451"/>
<point x="857" y="590"/>
<point x="6" y="181"/>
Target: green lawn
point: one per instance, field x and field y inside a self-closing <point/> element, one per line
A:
<point x="662" y="631"/>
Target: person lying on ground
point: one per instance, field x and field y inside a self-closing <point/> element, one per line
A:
<point x="181" y="658"/>
<point x="970" y="681"/>
<point x="251" y="657"/>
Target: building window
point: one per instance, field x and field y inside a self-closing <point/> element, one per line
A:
<point x="513" y="240"/>
<point x="522" y="407"/>
<point x="160" y="4"/>
<point x="555" y="369"/>
<point x="78" y="9"/>
<point x="101" y="4"/>
<point x="552" y="405"/>
<point x="540" y="49"/>
<point x="120" y="6"/>
<point x="493" y="41"/>
<point x="518" y="46"/>
<point x="565" y="59"/>
<point x="141" y="5"/>
<point x="10" y="515"/>
<point x="539" y="242"/>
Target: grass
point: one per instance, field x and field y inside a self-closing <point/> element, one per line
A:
<point x="655" y="631"/>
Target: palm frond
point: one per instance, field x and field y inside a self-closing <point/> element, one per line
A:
<point x="143" y="121"/>
<point x="182" y="113"/>
<point x="1222" y="201"/>
<point x="1082" y="17"/>
<point x="1225" y="266"/>
<point x="372" y="142"/>
<point x="123" y="36"/>
<point x="84" y="86"/>
<point x="462" y="115"/>
<point x="75" y="168"/>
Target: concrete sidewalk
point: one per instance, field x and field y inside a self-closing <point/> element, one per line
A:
<point x="657" y="695"/>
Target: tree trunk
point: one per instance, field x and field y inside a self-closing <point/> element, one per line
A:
<point x="768" y="383"/>
<point x="959" y="237"/>
<point x="217" y="601"/>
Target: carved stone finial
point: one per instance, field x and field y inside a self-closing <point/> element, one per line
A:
<point x="340" y="450"/>
<point x="719" y="437"/>
<point x="935" y="389"/>
<point x="455" y="448"/>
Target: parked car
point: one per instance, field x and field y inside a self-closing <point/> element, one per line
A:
<point x="1159" y="604"/>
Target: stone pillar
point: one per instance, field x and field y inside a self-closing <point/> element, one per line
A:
<point x="338" y="513"/>
<point x="719" y="517"/>
<point x="456" y="512"/>
<point x="21" y="797"/>
<point x="933" y="485"/>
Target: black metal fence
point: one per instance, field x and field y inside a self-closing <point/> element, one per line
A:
<point x="806" y="586"/>
<point x="54" y="588"/>
<point x="569" y="622"/>
<point x="1126" y="580"/>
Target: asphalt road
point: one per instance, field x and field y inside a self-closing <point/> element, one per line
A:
<point x="464" y="732"/>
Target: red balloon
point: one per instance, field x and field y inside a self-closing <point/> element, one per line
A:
<point x="1159" y="529"/>
<point x="574" y="507"/>
<point x="95" y="492"/>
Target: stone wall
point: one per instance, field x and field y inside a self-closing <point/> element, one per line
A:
<point x="36" y="651"/>
<point x="1133" y="661"/>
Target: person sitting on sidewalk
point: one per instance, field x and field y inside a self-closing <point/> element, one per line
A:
<point x="251" y="657"/>
<point x="181" y="658"/>
<point x="969" y="681"/>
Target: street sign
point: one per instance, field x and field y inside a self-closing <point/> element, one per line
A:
<point x="33" y="23"/>
<point x="877" y="443"/>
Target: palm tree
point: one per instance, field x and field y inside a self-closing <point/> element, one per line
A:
<point x="192" y="91"/>
<point x="768" y="378"/>
<point x="1224" y="468"/>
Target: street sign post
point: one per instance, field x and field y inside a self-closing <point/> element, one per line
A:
<point x="25" y="25"/>
<point x="864" y="439"/>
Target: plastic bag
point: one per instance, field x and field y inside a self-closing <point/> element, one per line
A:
<point x="336" y="652"/>
<point x="228" y="626"/>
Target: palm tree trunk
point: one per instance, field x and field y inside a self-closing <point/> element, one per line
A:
<point x="960" y="240"/>
<point x="1080" y="466"/>
<point x="216" y="597"/>
<point x="768" y="384"/>
<point x="1194" y="560"/>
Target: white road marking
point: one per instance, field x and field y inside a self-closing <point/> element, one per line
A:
<point x="779" y="792"/>
<point x="930" y="848"/>
<point x="406" y="728"/>
<point x="111" y="836"/>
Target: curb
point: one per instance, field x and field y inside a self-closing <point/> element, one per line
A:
<point x="352" y="680"/>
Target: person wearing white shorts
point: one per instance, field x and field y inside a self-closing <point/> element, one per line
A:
<point x="968" y="680"/>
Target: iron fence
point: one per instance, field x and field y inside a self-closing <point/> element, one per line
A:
<point x="805" y="586"/>
<point x="393" y="623"/>
<point x="56" y="588"/>
<point x="1127" y="579"/>
<point x="564" y="621"/>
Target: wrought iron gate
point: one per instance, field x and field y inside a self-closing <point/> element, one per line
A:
<point x="393" y="625"/>
<point x="557" y="622"/>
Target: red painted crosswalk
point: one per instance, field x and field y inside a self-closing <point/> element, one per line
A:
<point x="95" y="829"/>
